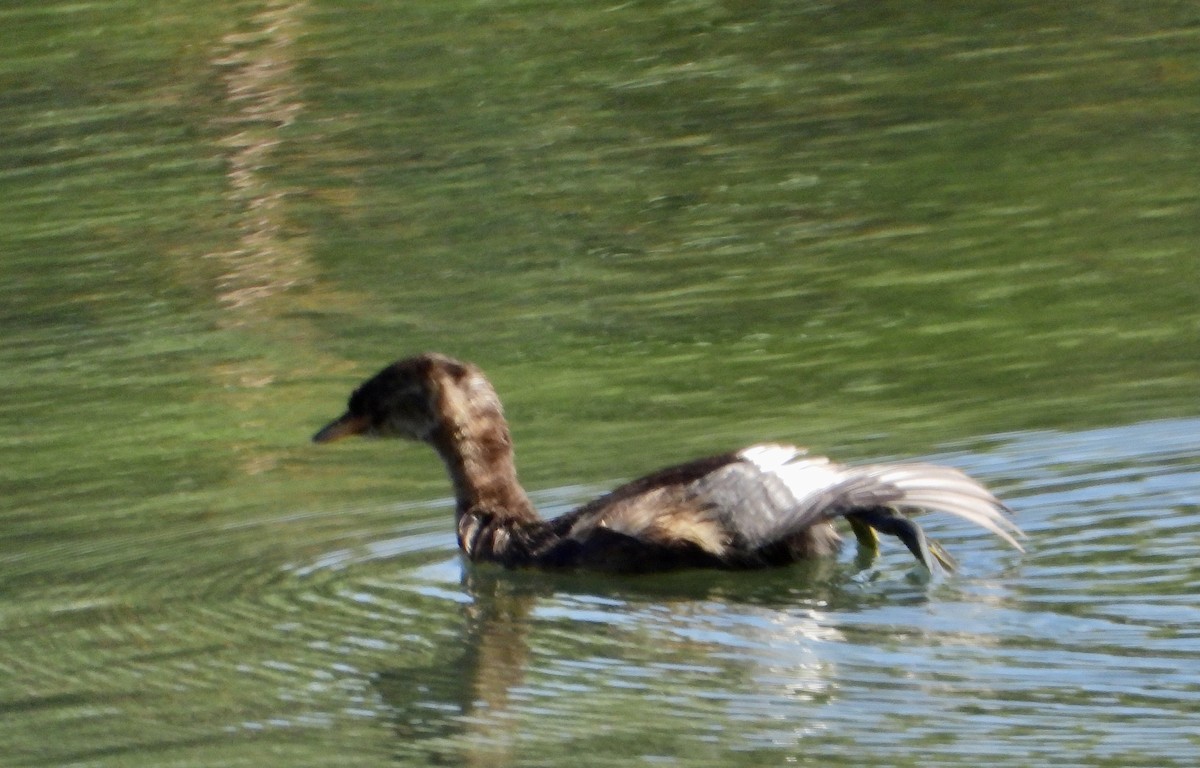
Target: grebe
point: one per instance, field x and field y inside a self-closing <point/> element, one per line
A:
<point x="761" y="506"/>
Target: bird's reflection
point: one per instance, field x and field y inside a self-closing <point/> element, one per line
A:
<point x="459" y="707"/>
<point x="463" y="696"/>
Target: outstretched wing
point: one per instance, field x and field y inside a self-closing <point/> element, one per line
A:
<point x="773" y="492"/>
<point x="777" y="490"/>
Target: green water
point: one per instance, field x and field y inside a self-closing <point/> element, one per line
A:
<point x="664" y="229"/>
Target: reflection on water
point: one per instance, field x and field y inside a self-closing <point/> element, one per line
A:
<point x="481" y="692"/>
<point x="258" y="72"/>
<point x="464" y="696"/>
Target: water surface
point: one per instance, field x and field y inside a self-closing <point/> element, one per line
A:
<point x="959" y="234"/>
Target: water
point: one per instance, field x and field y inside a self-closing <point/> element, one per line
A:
<point x="664" y="230"/>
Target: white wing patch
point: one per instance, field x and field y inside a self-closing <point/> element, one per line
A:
<point x="805" y="476"/>
<point x="770" y="456"/>
<point x="918" y="486"/>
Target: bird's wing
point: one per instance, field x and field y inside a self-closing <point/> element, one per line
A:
<point x="777" y="490"/>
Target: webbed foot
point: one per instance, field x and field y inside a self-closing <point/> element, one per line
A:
<point x="865" y="524"/>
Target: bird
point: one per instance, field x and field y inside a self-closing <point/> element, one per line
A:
<point x="764" y="505"/>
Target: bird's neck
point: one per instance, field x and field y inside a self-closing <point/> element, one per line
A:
<point x="474" y="443"/>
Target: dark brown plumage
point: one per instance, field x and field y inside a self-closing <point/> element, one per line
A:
<point x="761" y="506"/>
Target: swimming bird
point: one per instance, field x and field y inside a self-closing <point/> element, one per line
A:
<point x="765" y="505"/>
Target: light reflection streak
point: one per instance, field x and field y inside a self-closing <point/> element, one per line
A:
<point x="258" y="71"/>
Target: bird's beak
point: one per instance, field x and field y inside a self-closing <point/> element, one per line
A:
<point x="343" y="426"/>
